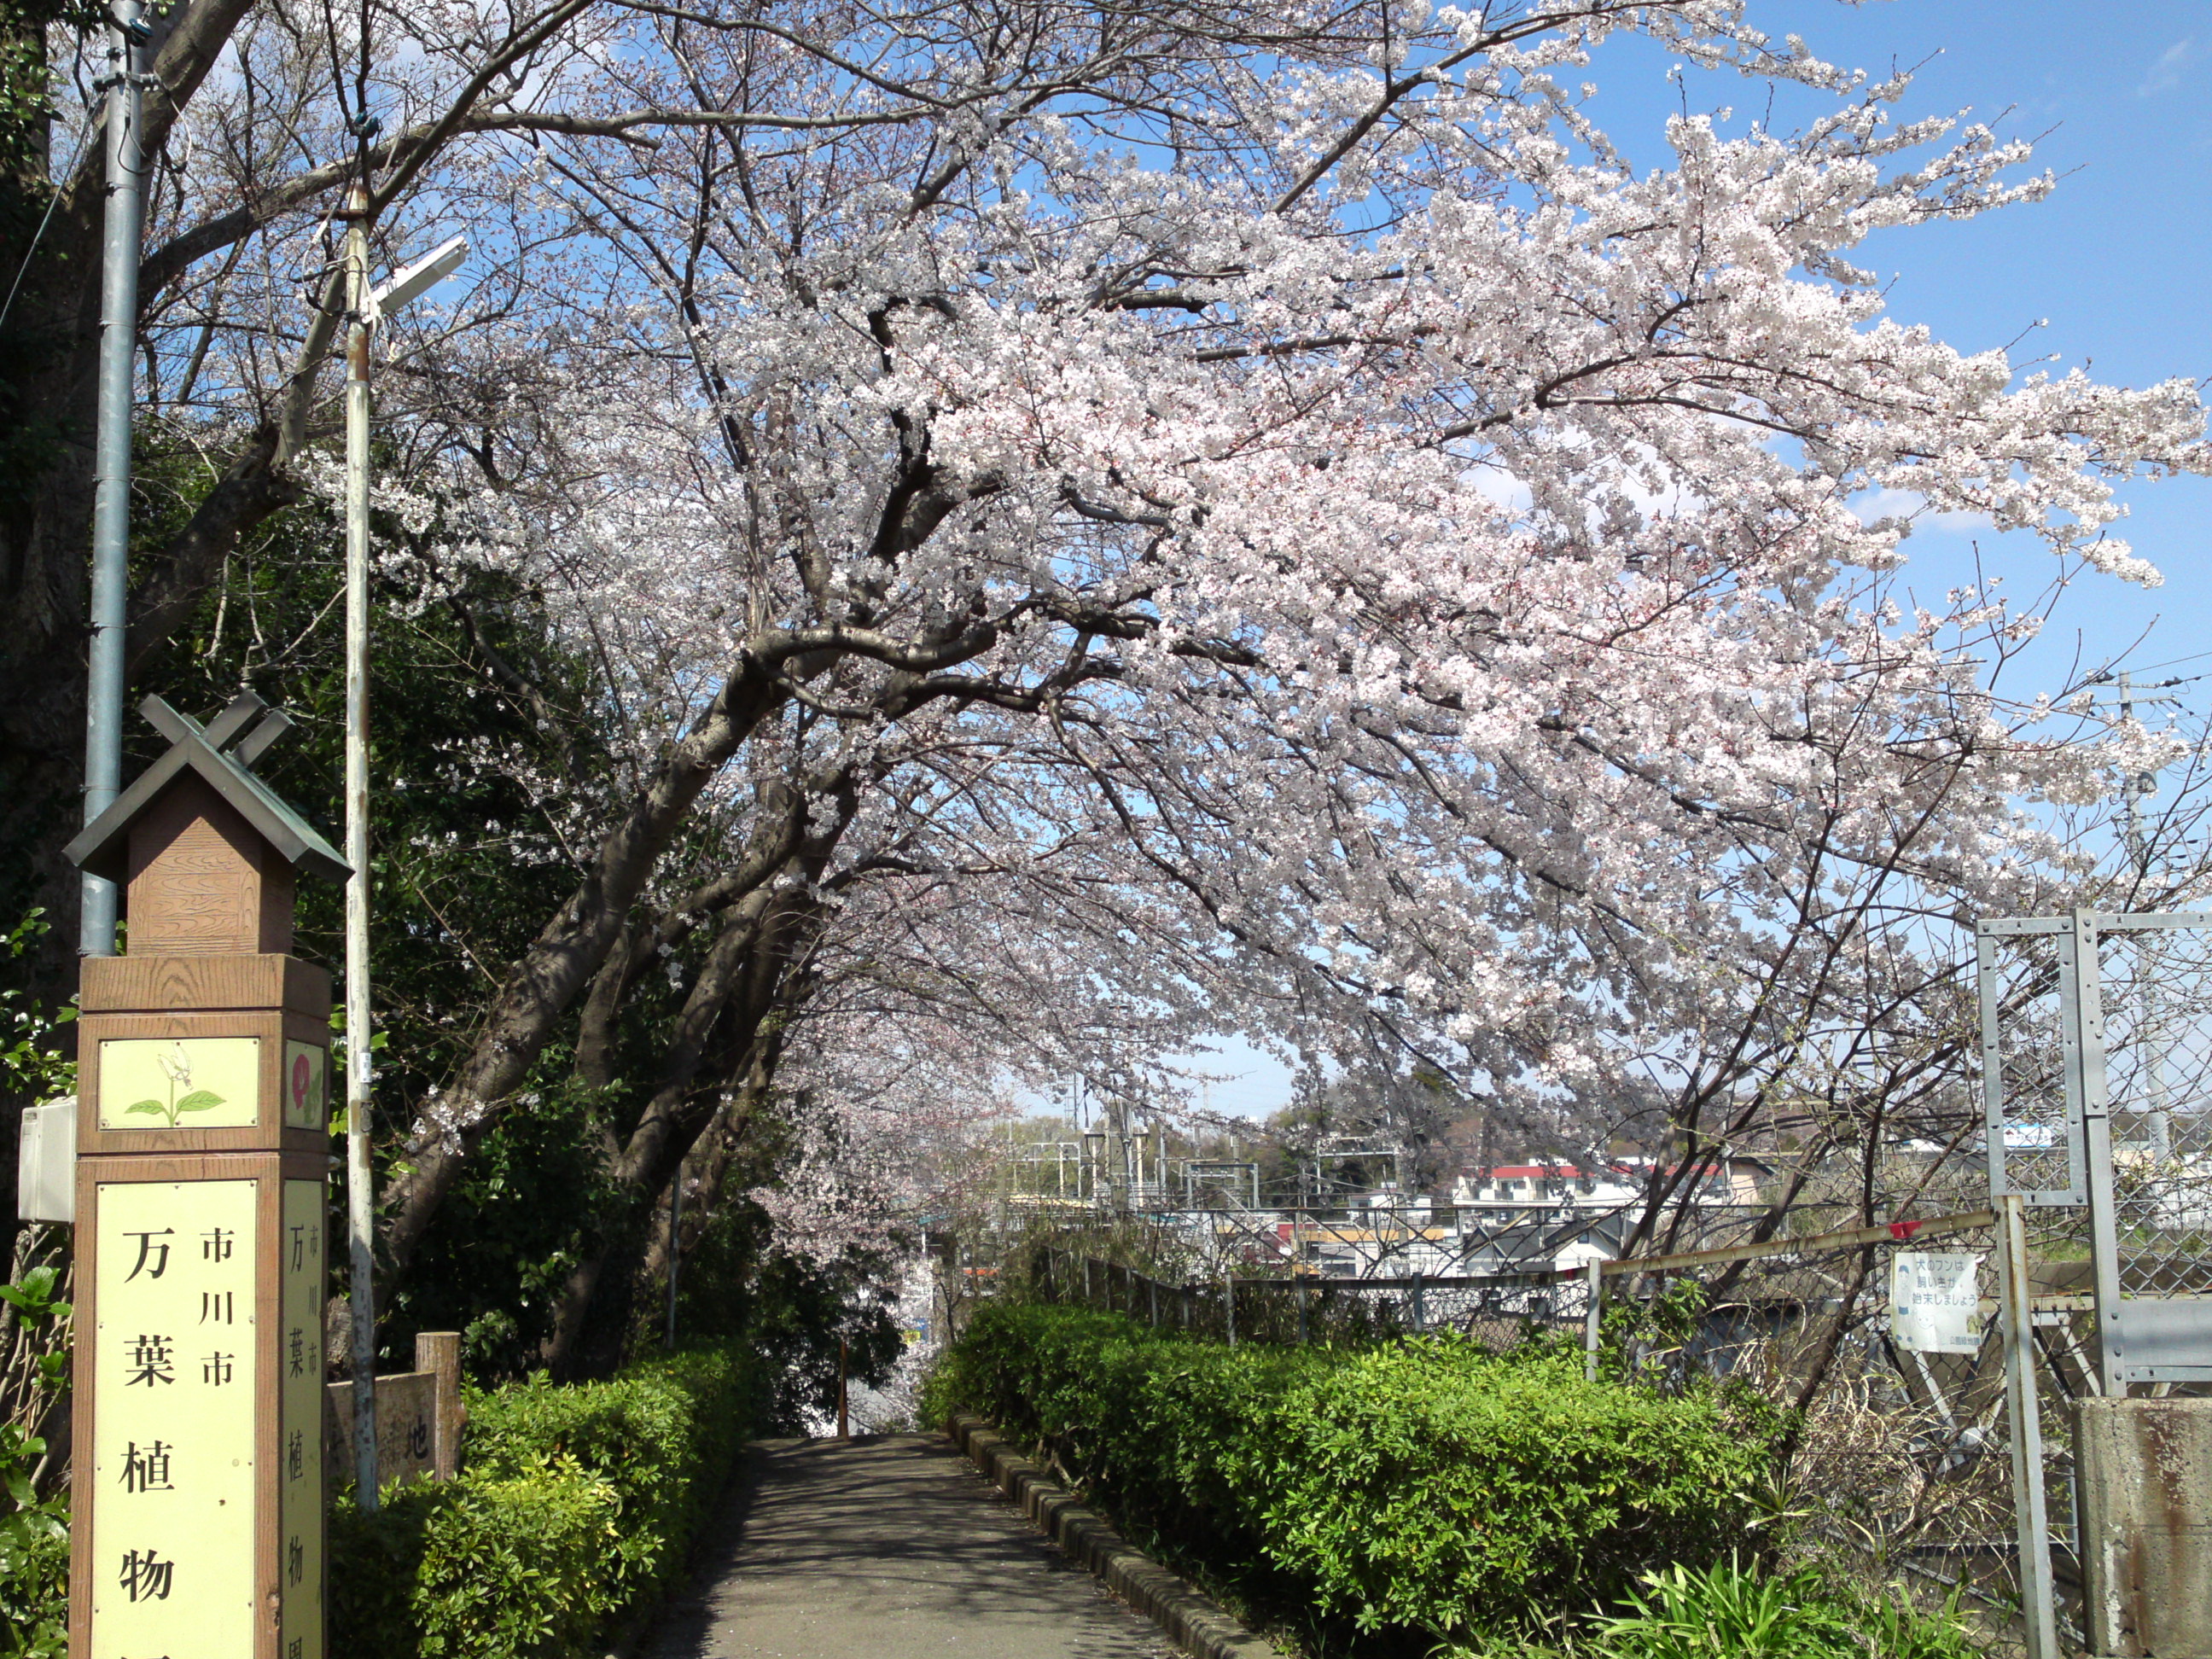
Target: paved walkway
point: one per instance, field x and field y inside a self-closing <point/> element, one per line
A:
<point x="885" y="1547"/>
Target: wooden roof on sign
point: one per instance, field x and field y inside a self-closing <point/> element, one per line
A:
<point x="220" y="754"/>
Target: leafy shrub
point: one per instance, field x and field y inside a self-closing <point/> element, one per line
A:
<point x="1434" y="1483"/>
<point x="532" y="1565"/>
<point x="1429" y="1484"/>
<point x="1723" y="1610"/>
<point x="32" y="1066"/>
<point x="1728" y="1612"/>
<point x="1897" y="1629"/>
<point x="33" y="1557"/>
<point x="33" y="1530"/>
<point x="574" y="1506"/>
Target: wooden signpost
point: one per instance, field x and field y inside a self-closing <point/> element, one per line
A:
<point x="196" y="1513"/>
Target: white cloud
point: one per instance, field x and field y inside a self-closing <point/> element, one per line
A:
<point x="1888" y="503"/>
<point x="2166" y="73"/>
<point x="1508" y="491"/>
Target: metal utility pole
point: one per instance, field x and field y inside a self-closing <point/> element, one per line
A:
<point x="111" y="501"/>
<point x="2135" y="788"/>
<point x="2016" y="1315"/>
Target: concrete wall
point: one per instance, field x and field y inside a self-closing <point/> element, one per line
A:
<point x="2146" y="1473"/>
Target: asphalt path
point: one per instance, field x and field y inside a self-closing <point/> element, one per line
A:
<point x="883" y="1547"/>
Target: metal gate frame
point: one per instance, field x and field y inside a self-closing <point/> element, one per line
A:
<point x="2140" y="1339"/>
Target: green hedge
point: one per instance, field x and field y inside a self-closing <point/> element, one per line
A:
<point x="1428" y="1486"/>
<point x="575" y="1505"/>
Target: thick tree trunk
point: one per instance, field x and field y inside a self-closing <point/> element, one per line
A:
<point x="707" y="1165"/>
<point x="741" y="988"/>
<point x="780" y="818"/>
<point x="540" y="987"/>
<point x="737" y="1005"/>
<point x="653" y="1158"/>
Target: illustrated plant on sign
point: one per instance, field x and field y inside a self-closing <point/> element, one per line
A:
<point x="177" y="1066"/>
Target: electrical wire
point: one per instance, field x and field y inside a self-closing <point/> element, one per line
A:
<point x="84" y="132"/>
<point x="2171" y="662"/>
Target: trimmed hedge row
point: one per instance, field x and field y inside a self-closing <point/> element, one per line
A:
<point x="575" y="1505"/>
<point x="1429" y="1485"/>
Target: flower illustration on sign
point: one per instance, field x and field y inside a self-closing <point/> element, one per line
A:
<point x="177" y="1066"/>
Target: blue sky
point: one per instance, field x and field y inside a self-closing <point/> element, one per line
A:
<point x="2117" y="259"/>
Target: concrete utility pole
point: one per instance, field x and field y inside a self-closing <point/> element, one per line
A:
<point x="2158" y="1123"/>
<point x="360" y="1195"/>
<point x="675" y="1234"/>
<point x="2127" y="695"/>
<point x="364" y="307"/>
<point x="1117" y="1152"/>
<point x="111" y="501"/>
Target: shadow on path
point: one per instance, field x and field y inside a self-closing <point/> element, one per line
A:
<point x="882" y="1547"/>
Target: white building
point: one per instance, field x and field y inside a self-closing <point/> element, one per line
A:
<point x="1512" y="1192"/>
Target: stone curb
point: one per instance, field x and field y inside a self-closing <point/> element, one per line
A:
<point x="1189" y="1616"/>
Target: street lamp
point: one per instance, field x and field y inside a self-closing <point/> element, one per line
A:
<point x="366" y="307"/>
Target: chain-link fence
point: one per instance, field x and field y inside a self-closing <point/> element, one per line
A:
<point x="2154" y="991"/>
<point x="2097" y="1048"/>
<point x="1307" y="1309"/>
<point x="1901" y="1465"/>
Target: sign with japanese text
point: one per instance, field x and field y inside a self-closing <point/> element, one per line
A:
<point x="1935" y="1303"/>
<point x="197" y="1524"/>
<point x="406" y="1427"/>
<point x="173" y="1440"/>
<point x="190" y="1082"/>
<point x="300" y="1358"/>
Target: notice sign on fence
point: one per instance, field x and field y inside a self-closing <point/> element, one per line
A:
<point x="1935" y="1303"/>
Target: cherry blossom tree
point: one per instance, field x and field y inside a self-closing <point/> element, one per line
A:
<point x="1414" y="569"/>
<point x="1098" y="523"/>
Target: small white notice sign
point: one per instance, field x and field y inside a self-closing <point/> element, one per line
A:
<point x="1935" y="1303"/>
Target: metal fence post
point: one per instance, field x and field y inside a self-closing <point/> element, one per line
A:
<point x="1302" y="1312"/>
<point x="1228" y="1308"/>
<point x="2084" y="1042"/>
<point x="2016" y="1315"/>
<point x="1421" y="1311"/>
<point x="1594" y="1270"/>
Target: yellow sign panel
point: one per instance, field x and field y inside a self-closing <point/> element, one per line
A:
<point x="299" y="1355"/>
<point x="306" y="1072"/>
<point x="172" y="1487"/>
<point x="188" y="1083"/>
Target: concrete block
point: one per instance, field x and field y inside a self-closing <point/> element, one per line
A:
<point x="2146" y="1478"/>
